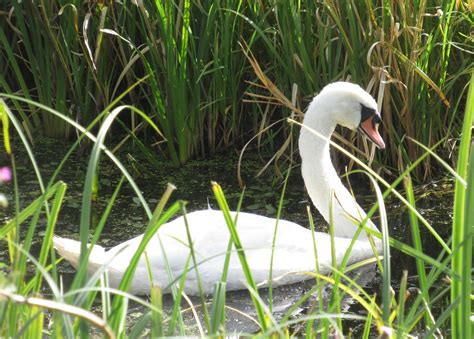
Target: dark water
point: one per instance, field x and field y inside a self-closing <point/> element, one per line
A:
<point x="262" y="195"/>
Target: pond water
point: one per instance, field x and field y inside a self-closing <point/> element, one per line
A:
<point x="262" y="195"/>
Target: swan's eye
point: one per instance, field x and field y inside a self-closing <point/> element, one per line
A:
<point x="366" y="113"/>
<point x="377" y="120"/>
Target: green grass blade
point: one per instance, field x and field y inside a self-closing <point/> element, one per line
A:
<point x="218" y="309"/>
<point x="278" y="216"/>
<point x="196" y="268"/>
<point x="240" y="251"/>
<point x="462" y="230"/>
<point x="401" y="330"/>
<point x="466" y="306"/>
<point x="117" y="304"/>
<point x="156" y="316"/>
<point x="48" y="236"/>
<point x="19" y="130"/>
<point x="28" y="211"/>
<point x="33" y="328"/>
<point x="81" y="272"/>
<point x="416" y="236"/>
<point x="140" y="326"/>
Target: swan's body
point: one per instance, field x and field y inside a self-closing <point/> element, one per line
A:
<point x="342" y="103"/>
<point x="294" y="252"/>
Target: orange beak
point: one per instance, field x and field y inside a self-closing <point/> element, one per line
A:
<point x="370" y="129"/>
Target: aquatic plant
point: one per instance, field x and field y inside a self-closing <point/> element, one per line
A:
<point x="70" y="311"/>
<point x="75" y="57"/>
<point x="182" y="70"/>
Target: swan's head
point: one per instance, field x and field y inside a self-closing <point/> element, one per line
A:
<point x="352" y="107"/>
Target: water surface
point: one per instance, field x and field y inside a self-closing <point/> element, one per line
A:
<point x="261" y="196"/>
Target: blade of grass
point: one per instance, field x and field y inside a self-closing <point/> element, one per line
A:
<point x="416" y="237"/>
<point x="28" y="211"/>
<point x="118" y="304"/>
<point x="156" y="317"/>
<point x="195" y="264"/>
<point x="218" y="309"/>
<point x="82" y="269"/>
<point x="462" y="230"/>
<point x="240" y="251"/>
<point x="278" y="216"/>
<point x="402" y="294"/>
<point x="48" y="236"/>
<point x="59" y="306"/>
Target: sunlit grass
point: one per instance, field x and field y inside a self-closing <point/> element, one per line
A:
<point x="393" y="314"/>
<point x="76" y="58"/>
<point x="181" y="69"/>
<point x="463" y="228"/>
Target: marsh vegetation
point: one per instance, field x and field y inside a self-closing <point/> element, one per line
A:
<point x="103" y="103"/>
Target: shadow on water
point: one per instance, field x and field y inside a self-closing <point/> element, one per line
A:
<point x="262" y="195"/>
<point x="241" y="315"/>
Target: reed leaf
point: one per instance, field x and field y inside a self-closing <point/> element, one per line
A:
<point x="416" y="237"/>
<point x="463" y="227"/>
<point x="240" y="251"/>
<point x="118" y="303"/>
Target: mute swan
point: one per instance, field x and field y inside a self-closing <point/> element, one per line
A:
<point x="338" y="103"/>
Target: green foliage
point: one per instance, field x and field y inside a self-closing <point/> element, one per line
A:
<point x="184" y="65"/>
<point x="76" y="57"/>
<point x="70" y="311"/>
<point x="463" y="228"/>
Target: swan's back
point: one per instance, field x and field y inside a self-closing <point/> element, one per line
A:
<point x="293" y="254"/>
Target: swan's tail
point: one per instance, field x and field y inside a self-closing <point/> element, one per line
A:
<point x="71" y="249"/>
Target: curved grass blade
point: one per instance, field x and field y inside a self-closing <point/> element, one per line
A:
<point x="224" y="207"/>
<point x="118" y="304"/>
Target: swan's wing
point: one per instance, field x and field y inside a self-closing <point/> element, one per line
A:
<point x="294" y="251"/>
<point x="210" y="238"/>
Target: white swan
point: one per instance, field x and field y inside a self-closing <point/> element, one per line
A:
<point x="338" y="103"/>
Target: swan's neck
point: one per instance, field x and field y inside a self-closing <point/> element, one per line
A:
<point x="328" y="194"/>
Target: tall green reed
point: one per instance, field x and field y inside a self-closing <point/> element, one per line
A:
<point x="196" y="72"/>
<point x="34" y="210"/>
<point x="407" y="319"/>
<point x="197" y="75"/>
<point x="463" y="227"/>
<point x="204" y="66"/>
<point x="58" y="56"/>
<point x="167" y="62"/>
